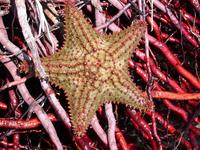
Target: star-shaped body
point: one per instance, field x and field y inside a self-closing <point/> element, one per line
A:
<point x="92" y="68"/>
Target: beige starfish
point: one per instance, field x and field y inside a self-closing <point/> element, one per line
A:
<point x="92" y="68"/>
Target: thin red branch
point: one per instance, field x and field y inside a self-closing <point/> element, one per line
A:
<point x="196" y="5"/>
<point x="171" y="106"/>
<point x="120" y="138"/>
<point x="174" y="61"/>
<point x="143" y="127"/>
<point x="175" y="96"/>
<point x="23" y="124"/>
<point x="3" y="106"/>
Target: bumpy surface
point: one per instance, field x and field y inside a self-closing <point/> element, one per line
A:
<point x="92" y="68"/>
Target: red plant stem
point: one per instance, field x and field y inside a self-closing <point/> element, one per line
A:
<point x="174" y="61"/>
<point x="158" y="72"/>
<point x="193" y="29"/>
<point x="176" y="22"/>
<point x="84" y="143"/>
<point x="8" y="146"/>
<point x="155" y="27"/>
<point x="174" y="108"/>
<point x="197" y="120"/>
<point x="187" y="85"/>
<point x="141" y="122"/>
<point x="186" y="143"/>
<point x="194" y="141"/>
<point x="141" y="5"/>
<point x="120" y="138"/>
<point x="135" y="124"/>
<point x="152" y="141"/>
<point x="175" y="96"/>
<point x="165" y="124"/>
<point x="184" y="87"/>
<point x="170" y="128"/>
<point x="119" y="6"/>
<point x="13" y="99"/>
<point x="14" y="103"/>
<point x="143" y="126"/>
<point x="193" y="103"/>
<point x="101" y="24"/>
<point x="150" y="79"/>
<point x="194" y="130"/>
<point x="3" y="106"/>
<point x="16" y="140"/>
<point x="179" y="110"/>
<point x="124" y="1"/>
<point x="154" y="126"/>
<point x="169" y="38"/>
<point x="188" y="16"/>
<point x="196" y="5"/>
<point x="163" y="18"/>
<point x="5" y="143"/>
<point x="21" y="43"/>
<point x="23" y="124"/>
<point x="161" y="75"/>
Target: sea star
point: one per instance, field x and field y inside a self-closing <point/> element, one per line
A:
<point x="92" y="68"/>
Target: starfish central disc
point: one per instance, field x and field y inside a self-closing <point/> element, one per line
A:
<point x="92" y="68"/>
<point x="99" y="66"/>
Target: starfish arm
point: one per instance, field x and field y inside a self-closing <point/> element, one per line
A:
<point x="124" y="42"/>
<point x="79" y="30"/>
<point x="59" y="66"/>
<point x="128" y="93"/>
<point x="84" y="102"/>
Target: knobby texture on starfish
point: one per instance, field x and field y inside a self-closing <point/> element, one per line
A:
<point x="92" y="68"/>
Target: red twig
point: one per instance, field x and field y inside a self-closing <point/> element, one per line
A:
<point x="23" y="124"/>
<point x="159" y="73"/>
<point x="174" y="61"/>
<point x="171" y="106"/>
<point x="154" y="126"/>
<point x="42" y="116"/>
<point x="155" y="27"/>
<point x="175" y="96"/>
<point x="175" y="21"/>
<point x="143" y="127"/>
<point x="196" y="5"/>
<point x="194" y="141"/>
<point x="84" y="143"/>
<point x="16" y="140"/>
<point x="14" y="102"/>
<point x="120" y="138"/>
<point x="170" y="38"/>
<point x="189" y="17"/>
<point x="3" y="106"/>
<point x="165" y="124"/>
